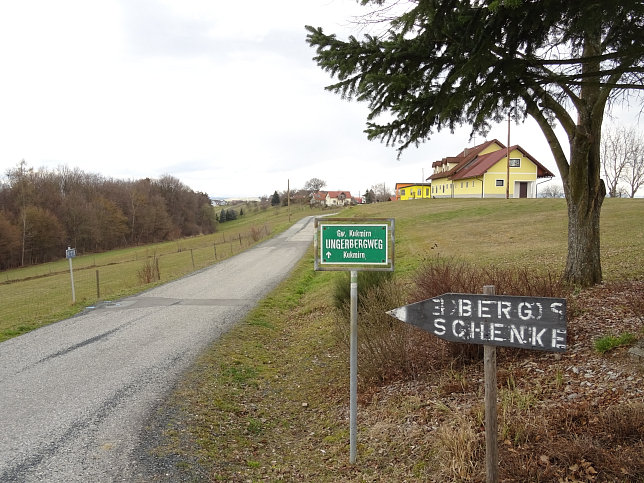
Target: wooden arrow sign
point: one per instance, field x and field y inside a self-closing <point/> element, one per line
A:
<point x="508" y="321"/>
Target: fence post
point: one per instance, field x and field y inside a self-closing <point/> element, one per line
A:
<point x="192" y="256"/>
<point x="98" y="286"/>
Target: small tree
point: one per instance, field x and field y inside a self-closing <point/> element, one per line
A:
<point x="275" y="199"/>
<point x="314" y="184"/>
<point x="369" y="196"/>
<point x="231" y="215"/>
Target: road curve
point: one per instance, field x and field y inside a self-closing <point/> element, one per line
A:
<point x="74" y="395"/>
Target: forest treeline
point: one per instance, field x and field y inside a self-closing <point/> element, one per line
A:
<point x="42" y="212"/>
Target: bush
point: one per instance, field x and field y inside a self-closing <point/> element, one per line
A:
<point x="388" y="349"/>
<point x="366" y="280"/>
<point x="149" y="272"/>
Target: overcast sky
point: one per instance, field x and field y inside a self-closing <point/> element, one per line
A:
<point x="224" y="96"/>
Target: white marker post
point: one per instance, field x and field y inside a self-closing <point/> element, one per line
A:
<point x="69" y="254"/>
<point x="353" y="385"/>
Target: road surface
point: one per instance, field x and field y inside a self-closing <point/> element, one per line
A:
<point x="74" y="395"/>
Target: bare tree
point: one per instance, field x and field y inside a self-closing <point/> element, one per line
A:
<point x="616" y="147"/>
<point x="381" y="192"/>
<point x="634" y="172"/>
<point x="314" y="184"/>
<point x="552" y="191"/>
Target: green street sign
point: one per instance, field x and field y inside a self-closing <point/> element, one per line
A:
<point x="344" y="244"/>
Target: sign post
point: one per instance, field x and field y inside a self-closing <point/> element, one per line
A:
<point x="491" y="420"/>
<point x="354" y="245"/>
<point x="507" y="321"/>
<point x="69" y="254"/>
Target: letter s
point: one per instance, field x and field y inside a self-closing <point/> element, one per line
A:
<point x="439" y="326"/>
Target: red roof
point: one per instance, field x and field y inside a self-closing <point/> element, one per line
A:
<point x="335" y="194"/>
<point x="463" y="158"/>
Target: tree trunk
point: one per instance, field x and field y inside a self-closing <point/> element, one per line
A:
<point x="583" y="265"/>
<point x="585" y="193"/>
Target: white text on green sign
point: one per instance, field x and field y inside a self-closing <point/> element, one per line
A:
<point x="354" y="244"/>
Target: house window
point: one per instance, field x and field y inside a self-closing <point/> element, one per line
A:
<point x="515" y="162"/>
<point x="473" y="184"/>
<point x="426" y="191"/>
<point x="402" y="192"/>
<point x="420" y="191"/>
<point x="461" y="185"/>
<point x="499" y="182"/>
<point x="467" y="184"/>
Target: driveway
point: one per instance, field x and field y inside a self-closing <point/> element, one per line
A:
<point x="74" y="395"/>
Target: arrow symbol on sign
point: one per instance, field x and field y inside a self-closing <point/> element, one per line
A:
<point x="328" y="254"/>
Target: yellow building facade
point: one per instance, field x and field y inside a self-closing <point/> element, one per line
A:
<point x="413" y="191"/>
<point x="482" y="172"/>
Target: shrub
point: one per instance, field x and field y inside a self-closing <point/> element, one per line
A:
<point x="149" y="272"/>
<point x="387" y="348"/>
<point x="366" y="280"/>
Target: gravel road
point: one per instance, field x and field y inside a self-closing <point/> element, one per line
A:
<point x="75" y="394"/>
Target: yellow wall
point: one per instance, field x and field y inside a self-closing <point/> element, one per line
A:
<point x="527" y="172"/>
<point x="411" y="192"/>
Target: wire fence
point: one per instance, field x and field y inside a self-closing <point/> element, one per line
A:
<point x="37" y="296"/>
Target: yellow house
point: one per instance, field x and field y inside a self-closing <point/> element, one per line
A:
<point x="482" y="172"/>
<point x="413" y="191"/>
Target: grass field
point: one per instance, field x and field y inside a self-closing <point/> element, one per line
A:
<point x="38" y="295"/>
<point x="269" y="400"/>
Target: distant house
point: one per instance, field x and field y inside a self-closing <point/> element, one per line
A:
<point x="413" y="191"/>
<point x="331" y="198"/>
<point x="482" y="172"/>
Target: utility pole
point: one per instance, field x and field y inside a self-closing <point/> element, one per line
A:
<point x="507" y="176"/>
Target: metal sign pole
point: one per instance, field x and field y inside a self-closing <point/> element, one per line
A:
<point x="353" y="403"/>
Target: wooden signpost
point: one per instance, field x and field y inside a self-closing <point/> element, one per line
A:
<point x="507" y="321"/>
